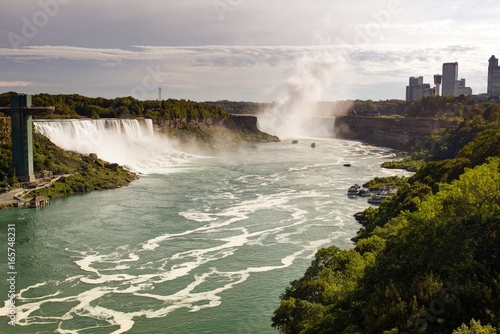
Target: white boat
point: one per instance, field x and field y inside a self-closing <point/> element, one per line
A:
<point x="357" y="190"/>
<point x="353" y="190"/>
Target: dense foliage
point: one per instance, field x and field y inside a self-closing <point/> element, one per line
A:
<point x="408" y="163"/>
<point x="383" y="107"/>
<point x="75" y="106"/>
<point x="241" y="107"/>
<point x="362" y="107"/>
<point x="425" y="261"/>
<point x="94" y="174"/>
<point x="7" y="170"/>
<point x="445" y="144"/>
<point x="461" y="107"/>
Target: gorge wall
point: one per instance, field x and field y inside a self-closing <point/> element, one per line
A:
<point x="237" y="122"/>
<point x="398" y="133"/>
<point x="207" y="134"/>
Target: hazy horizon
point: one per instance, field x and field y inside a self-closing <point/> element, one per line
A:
<point x="241" y="50"/>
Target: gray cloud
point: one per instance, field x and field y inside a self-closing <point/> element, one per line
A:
<point x="244" y="50"/>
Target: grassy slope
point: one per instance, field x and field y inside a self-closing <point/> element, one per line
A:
<point x="87" y="173"/>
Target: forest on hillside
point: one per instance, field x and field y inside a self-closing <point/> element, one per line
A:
<point x="428" y="259"/>
<point x="77" y="106"/>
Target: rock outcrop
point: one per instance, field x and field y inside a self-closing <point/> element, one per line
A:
<point x="399" y="133"/>
<point x="208" y="133"/>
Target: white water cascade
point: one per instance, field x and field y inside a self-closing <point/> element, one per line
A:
<point x="129" y="142"/>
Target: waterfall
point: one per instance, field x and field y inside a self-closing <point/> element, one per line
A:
<point x="296" y="126"/>
<point x="129" y="142"/>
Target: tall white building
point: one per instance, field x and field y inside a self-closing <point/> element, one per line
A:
<point x="451" y="85"/>
<point x="493" y="78"/>
<point x="450" y="76"/>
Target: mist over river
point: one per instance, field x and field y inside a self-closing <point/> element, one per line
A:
<point x="205" y="246"/>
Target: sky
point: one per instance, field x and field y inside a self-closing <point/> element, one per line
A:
<point x="242" y="50"/>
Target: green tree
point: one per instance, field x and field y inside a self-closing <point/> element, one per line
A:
<point x="475" y="328"/>
<point x="326" y="286"/>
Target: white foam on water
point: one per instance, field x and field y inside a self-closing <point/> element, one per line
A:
<point x="200" y="217"/>
<point x="235" y="213"/>
<point x="83" y="309"/>
<point x="188" y="297"/>
<point x="195" y="276"/>
<point x="85" y="263"/>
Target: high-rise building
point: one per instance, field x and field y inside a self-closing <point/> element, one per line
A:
<point x="493" y="78"/>
<point x="415" y="81"/>
<point x="417" y="89"/>
<point x="450" y="76"/>
<point x="451" y="85"/>
<point x="462" y="89"/>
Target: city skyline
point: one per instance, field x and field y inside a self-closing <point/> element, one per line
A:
<point x="240" y="50"/>
<point x="452" y="86"/>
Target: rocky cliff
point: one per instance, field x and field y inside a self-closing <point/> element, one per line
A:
<point x="400" y="133"/>
<point x="202" y="134"/>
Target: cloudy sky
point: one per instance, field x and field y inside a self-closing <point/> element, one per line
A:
<point x="242" y="49"/>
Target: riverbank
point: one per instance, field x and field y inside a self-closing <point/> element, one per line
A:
<point x="434" y="243"/>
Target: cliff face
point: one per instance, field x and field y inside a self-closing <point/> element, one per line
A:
<point x="209" y="133"/>
<point x="399" y="133"/>
<point x="243" y="122"/>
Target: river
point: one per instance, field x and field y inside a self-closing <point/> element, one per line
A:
<point x="205" y="246"/>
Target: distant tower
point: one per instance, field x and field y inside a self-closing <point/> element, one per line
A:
<point x="159" y="94"/>
<point x="438" y="79"/>
<point x="450" y="76"/>
<point x="22" y="134"/>
<point x="493" y="78"/>
<point x="22" y="137"/>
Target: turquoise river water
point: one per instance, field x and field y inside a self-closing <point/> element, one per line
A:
<point x="206" y="246"/>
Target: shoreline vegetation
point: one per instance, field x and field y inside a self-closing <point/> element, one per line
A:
<point x="427" y="260"/>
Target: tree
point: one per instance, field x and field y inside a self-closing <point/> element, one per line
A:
<point x="475" y="328"/>
<point x="326" y="286"/>
<point x="428" y="269"/>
